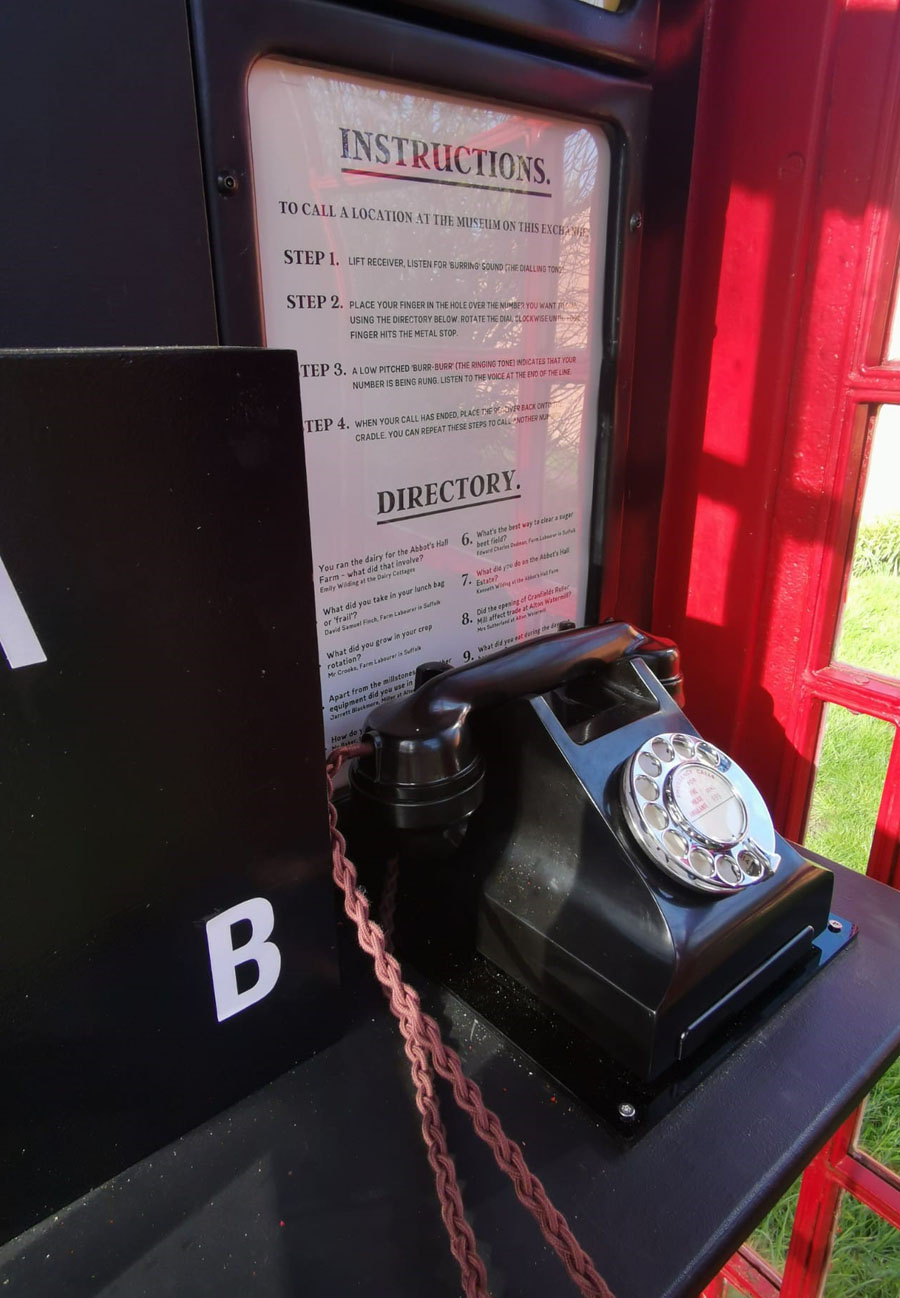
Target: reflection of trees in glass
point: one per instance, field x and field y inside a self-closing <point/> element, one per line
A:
<point x="566" y="432"/>
<point x="580" y="169"/>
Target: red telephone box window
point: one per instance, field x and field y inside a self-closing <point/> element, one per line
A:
<point x="780" y="535"/>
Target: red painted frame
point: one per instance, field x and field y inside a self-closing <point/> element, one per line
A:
<point x="790" y="254"/>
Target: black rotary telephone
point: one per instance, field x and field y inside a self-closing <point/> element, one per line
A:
<point x="568" y="835"/>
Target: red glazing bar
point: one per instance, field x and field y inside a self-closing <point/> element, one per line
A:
<point x="875" y="1186"/>
<point x="814" y="1223"/>
<point x="749" y="1273"/>
<point x="884" y="858"/>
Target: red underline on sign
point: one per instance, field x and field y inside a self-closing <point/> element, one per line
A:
<point x="433" y="180"/>
<point x="401" y="518"/>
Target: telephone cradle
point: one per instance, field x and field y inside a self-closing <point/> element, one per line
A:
<point x="593" y="877"/>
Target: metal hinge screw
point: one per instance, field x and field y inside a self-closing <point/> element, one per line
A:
<point x="627" y="1111"/>
<point x="835" y="926"/>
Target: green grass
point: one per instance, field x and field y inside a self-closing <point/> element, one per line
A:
<point x="855" y="749"/>
<point x="866" y="1258"/>
<point x="877" y="547"/>
<point x="868" y="635"/>
<point x="852" y="764"/>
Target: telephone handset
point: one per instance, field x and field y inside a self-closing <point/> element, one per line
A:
<point x="426" y="770"/>
<point x="589" y="848"/>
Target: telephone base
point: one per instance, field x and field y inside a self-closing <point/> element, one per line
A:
<point x="627" y="1104"/>
<point x="630" y="879"/>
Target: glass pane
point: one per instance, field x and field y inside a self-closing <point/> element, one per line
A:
<point x="847" y="788"/>
<point x="870" y="626"/>
<point x="773" y="1234"/>
<point x="880" y="1133"/>
<point x="866" y="1258"/>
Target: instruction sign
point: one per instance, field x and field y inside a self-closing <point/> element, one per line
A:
<point x="438" y="265"/>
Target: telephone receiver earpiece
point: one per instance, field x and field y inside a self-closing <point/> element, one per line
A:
<point x="425" y="771"/>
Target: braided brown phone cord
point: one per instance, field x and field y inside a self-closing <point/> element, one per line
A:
<point x="425" y="1049"/>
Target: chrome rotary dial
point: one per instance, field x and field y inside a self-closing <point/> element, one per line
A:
<point x="698" y="815"/>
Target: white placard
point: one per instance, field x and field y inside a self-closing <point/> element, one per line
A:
<point x="438" y="266"/>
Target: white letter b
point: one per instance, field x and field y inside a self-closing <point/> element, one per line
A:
<point x="224" y="957"/>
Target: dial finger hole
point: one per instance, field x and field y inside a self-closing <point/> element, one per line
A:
<point x="655" y="816"/>
<point x="708" y="754"/>
<point x="647" y="788"/>
<point x="676" y="844"/>
<point x="683" y="746"/>
<point x="702" y="862"/>
<point x="663" y="749"/>
<point x="728" y="870"/>
<point x="649" y="764"/>
<point x="751" y="865"/>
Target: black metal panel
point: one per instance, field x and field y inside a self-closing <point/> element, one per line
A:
<point x="103" y="237"/>
<point x="626" y="36"/>
<point x="229" y="38"/>
<point x="163" y="764"/>
<point x="318" y="1185"/>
